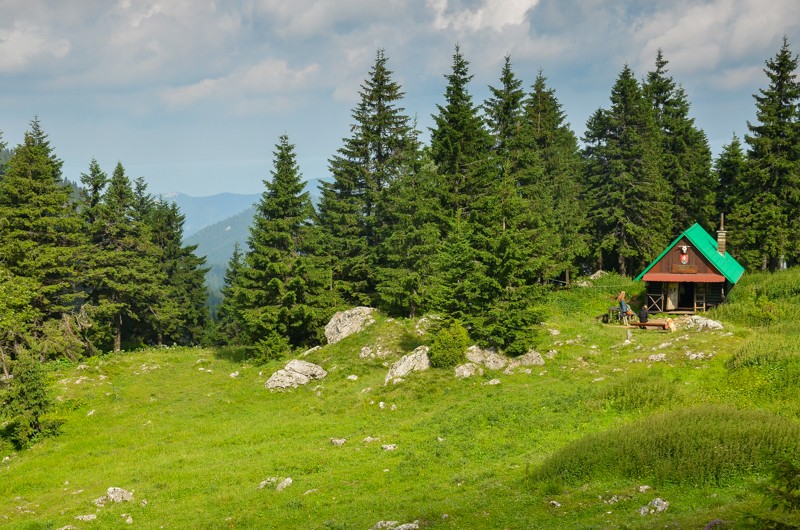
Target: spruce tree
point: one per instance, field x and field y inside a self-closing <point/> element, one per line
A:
<point x="180" y="315"/>
<point x="124" y="280"/>
<point x="548" y="134"/>
<point x="767" y="223"/>
<point x="41" y="234"/>
<point x="629" y="200"/>
<point x="228" y="322"/>
<point x="504" y="108"/>
<point x="352" y="209"/>
<point x="459" y="143"/>
<point x="685" y="154"/>
<point x="281" y="293"/>
<point x="729" y="171"/>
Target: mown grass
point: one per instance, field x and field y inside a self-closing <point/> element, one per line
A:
<point x="598" y="420"/>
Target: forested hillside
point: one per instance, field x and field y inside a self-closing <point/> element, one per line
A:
<point x="502" y="203"/>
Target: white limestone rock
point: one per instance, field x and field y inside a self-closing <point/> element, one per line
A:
<point x="346" y="323"/>
<point x="468" y="370"/>
<point x="488" y="358"/>
<point x="294" y="374"/>
<point x="415" y="361"/>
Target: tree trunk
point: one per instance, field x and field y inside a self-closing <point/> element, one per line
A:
<point x="3" y="361"/>
<point x="118" y="334"/>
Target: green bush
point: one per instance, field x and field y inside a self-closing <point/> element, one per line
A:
<point x="26" y="401"/>
<point x="766" y="349"/>
<point x="697" y="446"/>
<point x="640" y="392"/>
<point x="448" y="346"/>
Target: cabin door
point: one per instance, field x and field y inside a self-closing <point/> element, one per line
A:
<point x="672" y="297"/>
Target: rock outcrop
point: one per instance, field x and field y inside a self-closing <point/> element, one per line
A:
<point x="532" y="358"/>
<point x="488" y="358"/>
<point x="294" y="374"/>
<point x="345" y="323"/>
<point x="703" y="323"/>
<point x="468" y="370"/>
<point x="415" y="361"/>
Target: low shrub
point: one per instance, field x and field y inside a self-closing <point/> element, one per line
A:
<point x="698" y="446"/>
<point x="448" y="346"/>
<point x="766" y="349"/>
<point x="639" y="392"/>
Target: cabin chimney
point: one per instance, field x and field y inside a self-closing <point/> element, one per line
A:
<point x="721" y="235"/>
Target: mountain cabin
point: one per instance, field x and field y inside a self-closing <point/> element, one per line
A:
<point x="692" y="274"/>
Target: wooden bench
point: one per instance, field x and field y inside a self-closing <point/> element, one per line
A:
<point x="659" y="324"/>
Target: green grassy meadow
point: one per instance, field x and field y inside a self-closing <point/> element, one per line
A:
<point x="567" y="445"/>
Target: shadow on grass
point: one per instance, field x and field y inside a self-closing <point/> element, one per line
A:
<point x="410" y="341"/>
<point x="237" y="354"/>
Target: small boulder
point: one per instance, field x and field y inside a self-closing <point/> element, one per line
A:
<point x="655" y="506"/>
<point x="491" y="382"/>
<point x="415" y="361"/>
<point x="338" y="442"/>
<point x="346" y="323"/>
<point x="389" y="447"/>
<point x="284" y="484"/>
<point x="87" y="518"/>
<point x="532" y="358"/>
<point x="294" y="374"/>
<point x="703" y="323"/>
<point x="468" y="370"/>
<point x="488" y="358"/>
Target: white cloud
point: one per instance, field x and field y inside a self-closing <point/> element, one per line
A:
<point x="22" y="44"/>
<point x="265" y="80"/>
<point x="491" y="14"/>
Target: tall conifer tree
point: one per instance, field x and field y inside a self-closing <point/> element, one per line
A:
<point x="282" y="293"/>
<point x="352" y="209"/>
<point x="41" y="234"/>
<point x="766" y="225"/>
<point x="629" y="200"/>
<point x="685" y="154"/>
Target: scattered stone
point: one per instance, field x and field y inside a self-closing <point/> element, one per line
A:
<point x="644" y="489"/>
<point x="6" y="459"/>
<point x="82" y="367"/>
<point x="389" y="447"/>
<point x="346" y="323"/>
<point x="491" y="382"/>
<point x="702" y="323"/>
<point x="370" y="439"/>
<point x="352" y="377"/>
<point x="698" y="356"/>
<point x="338" y="442"/>
<point x="309" y="492"/>
<point x="310" y="351"/>
<point x="271" y="481"/>
<point x="90" y="413"/>
<point x="143" y="503"/>
<point x="532" y="358"/>
<point x="597" y="275"/>
<point x="128" y="518"/>
<point x="414" y="361"/>
<point x="88" y="517"/>
<point x="554" y="332"/>
<point x="468" y="370"/>
<point x="68" y="527"/>
<point x="294" y="374"/>
<point x="488" y="358"/>
<point x="550" y="354"/>
<point x="598" y="379"/>
<point x="395" y="525"/>
<point x="234" y="375"/>
<point x="555" y="504"/>
<point x="378" y="353"/>
<point x="284" y="484"/>
<point x="655" y="506"/>
<point x="424" y="324"/>
<point x="657" y="357"/>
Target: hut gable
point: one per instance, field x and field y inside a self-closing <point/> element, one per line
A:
<point x="691" y="274"/>
<point x="699" y="263"/>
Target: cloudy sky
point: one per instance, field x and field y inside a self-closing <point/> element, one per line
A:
<point x="193" y="94"/>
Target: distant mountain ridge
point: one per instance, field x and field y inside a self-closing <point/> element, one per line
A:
<point x="201" y="212"/>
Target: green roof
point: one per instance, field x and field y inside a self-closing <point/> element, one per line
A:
<point x="707" y="245"/>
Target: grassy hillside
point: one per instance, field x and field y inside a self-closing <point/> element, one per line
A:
<point x="698" y="416"/>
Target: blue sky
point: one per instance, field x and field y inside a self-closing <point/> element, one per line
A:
<point x="193" y="94"/>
